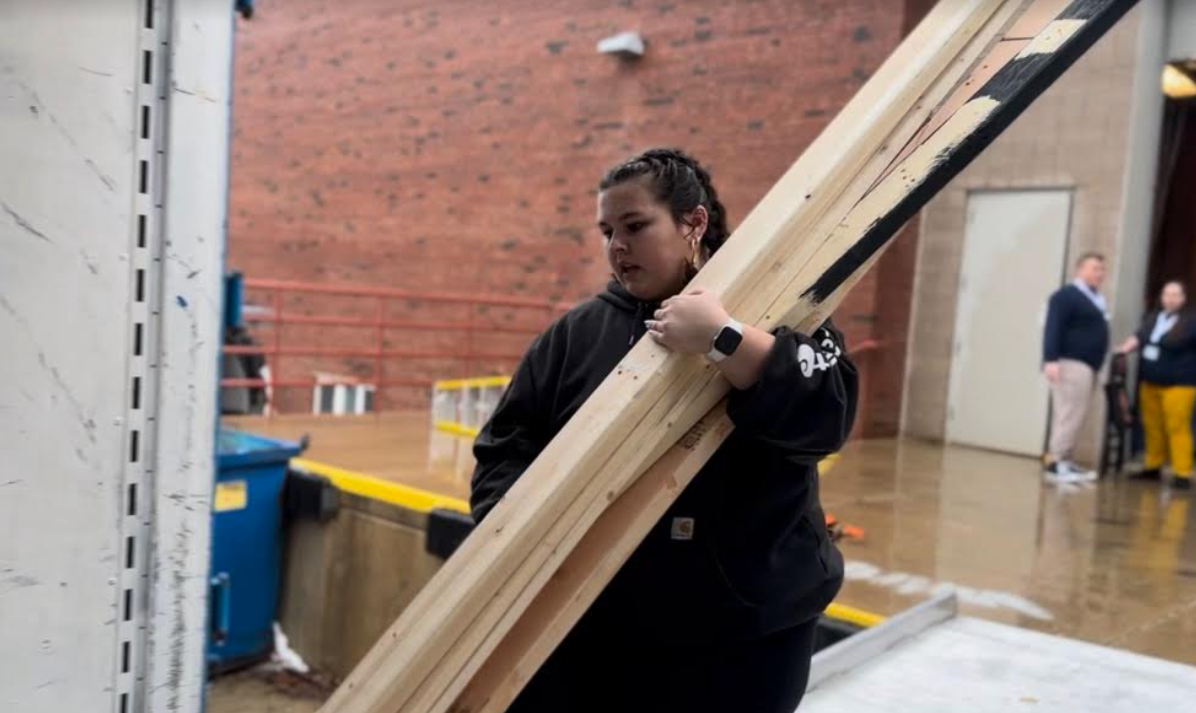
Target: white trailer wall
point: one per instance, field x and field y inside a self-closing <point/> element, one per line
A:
<point x="113" y="181"/>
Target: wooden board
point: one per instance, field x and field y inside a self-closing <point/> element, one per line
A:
<point x="595" y="561"/>
<point x="808" y="240"/>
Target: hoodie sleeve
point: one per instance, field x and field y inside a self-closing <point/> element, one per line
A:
<point x="515" y="434"/>
<point x="805" y="400"/>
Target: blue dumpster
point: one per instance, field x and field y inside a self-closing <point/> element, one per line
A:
<point x="246" y="547"/>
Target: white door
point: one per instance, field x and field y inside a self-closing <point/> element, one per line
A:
<point x="1013" y="258"/>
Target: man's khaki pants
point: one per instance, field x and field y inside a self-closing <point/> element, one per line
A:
<point x="1070" y="396"/>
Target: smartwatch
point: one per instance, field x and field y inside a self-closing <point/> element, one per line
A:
<point x="726" y="341"/>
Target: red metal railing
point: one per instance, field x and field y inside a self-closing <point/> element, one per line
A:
<point x="275" y="293"/>
<point x="536" y="315"/>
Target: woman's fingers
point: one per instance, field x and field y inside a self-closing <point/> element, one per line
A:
<point x="656" y="330"/>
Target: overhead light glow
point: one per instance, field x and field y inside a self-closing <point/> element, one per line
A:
<point x="1177" y="83"/>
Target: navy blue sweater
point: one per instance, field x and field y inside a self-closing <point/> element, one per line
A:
<point x="1175" y="364"/>
<point x="1075" y="329"/>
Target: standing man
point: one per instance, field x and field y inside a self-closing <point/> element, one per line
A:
<point x="1074" y="345"/>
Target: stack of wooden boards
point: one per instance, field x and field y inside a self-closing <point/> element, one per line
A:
<point x="482" y="627"/>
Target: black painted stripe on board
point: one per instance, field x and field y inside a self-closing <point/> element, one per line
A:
<point x="1015" y="86"/>
<point x="1083" y="10"/>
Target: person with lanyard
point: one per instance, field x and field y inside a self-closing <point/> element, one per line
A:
<point x="1166" y="343"/>
<point x="1075" y="341"/>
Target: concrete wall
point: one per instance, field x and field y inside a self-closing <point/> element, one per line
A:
<point x="1140" y="179"/>
<point x="328" y="614"/>
<point x="1077" y="135"/>
<point x="1181" y="29"/>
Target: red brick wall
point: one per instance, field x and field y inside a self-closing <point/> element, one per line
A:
<point x="884" y="367"/>
<point x="455" y="146"/>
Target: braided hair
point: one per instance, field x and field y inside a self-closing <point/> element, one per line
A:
<point x="678" y="181"/>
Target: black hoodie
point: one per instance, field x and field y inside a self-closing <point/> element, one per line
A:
<point x="759" y="558"/>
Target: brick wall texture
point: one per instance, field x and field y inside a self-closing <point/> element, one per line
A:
<point x="455" y="147"/>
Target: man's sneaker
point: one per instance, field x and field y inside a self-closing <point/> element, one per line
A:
<point x="1150" y="474"/>
<point x="1079" y="475"/>
<point x="1181" y="483"/>
<point x="1065" y="472"/>
<point x="1057" y="473"/>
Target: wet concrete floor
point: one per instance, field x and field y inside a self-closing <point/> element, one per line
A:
<point x="1112" y="563"/>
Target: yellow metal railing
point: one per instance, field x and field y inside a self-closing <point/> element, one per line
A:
<point x="476" y="383"/>
<point x="461" y="406"/>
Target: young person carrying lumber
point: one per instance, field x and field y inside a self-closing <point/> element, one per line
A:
<point x="716" y="610"/>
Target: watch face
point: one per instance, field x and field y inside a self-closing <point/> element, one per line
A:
<point x="727" y="341"/>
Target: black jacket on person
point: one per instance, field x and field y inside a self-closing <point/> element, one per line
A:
<point x="759" y="559"/>
<point x="1176" y="365"/>
<point x="1075" y="329"/>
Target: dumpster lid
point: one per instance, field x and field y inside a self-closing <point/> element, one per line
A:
<point x="237" y="448"/>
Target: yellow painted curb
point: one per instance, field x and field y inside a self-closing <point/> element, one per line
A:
<point x="825" y="465"/>
<point x="457" y="429"/>
<point x="851" y="615"/>
<point x="376" y="488"/>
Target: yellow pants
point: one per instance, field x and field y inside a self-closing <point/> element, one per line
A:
<point x="1167" y="424"/>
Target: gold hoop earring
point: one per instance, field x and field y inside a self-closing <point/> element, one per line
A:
<point x="693" y="264"/>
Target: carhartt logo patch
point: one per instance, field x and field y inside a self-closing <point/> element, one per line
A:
<point x="683" y="528"/>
